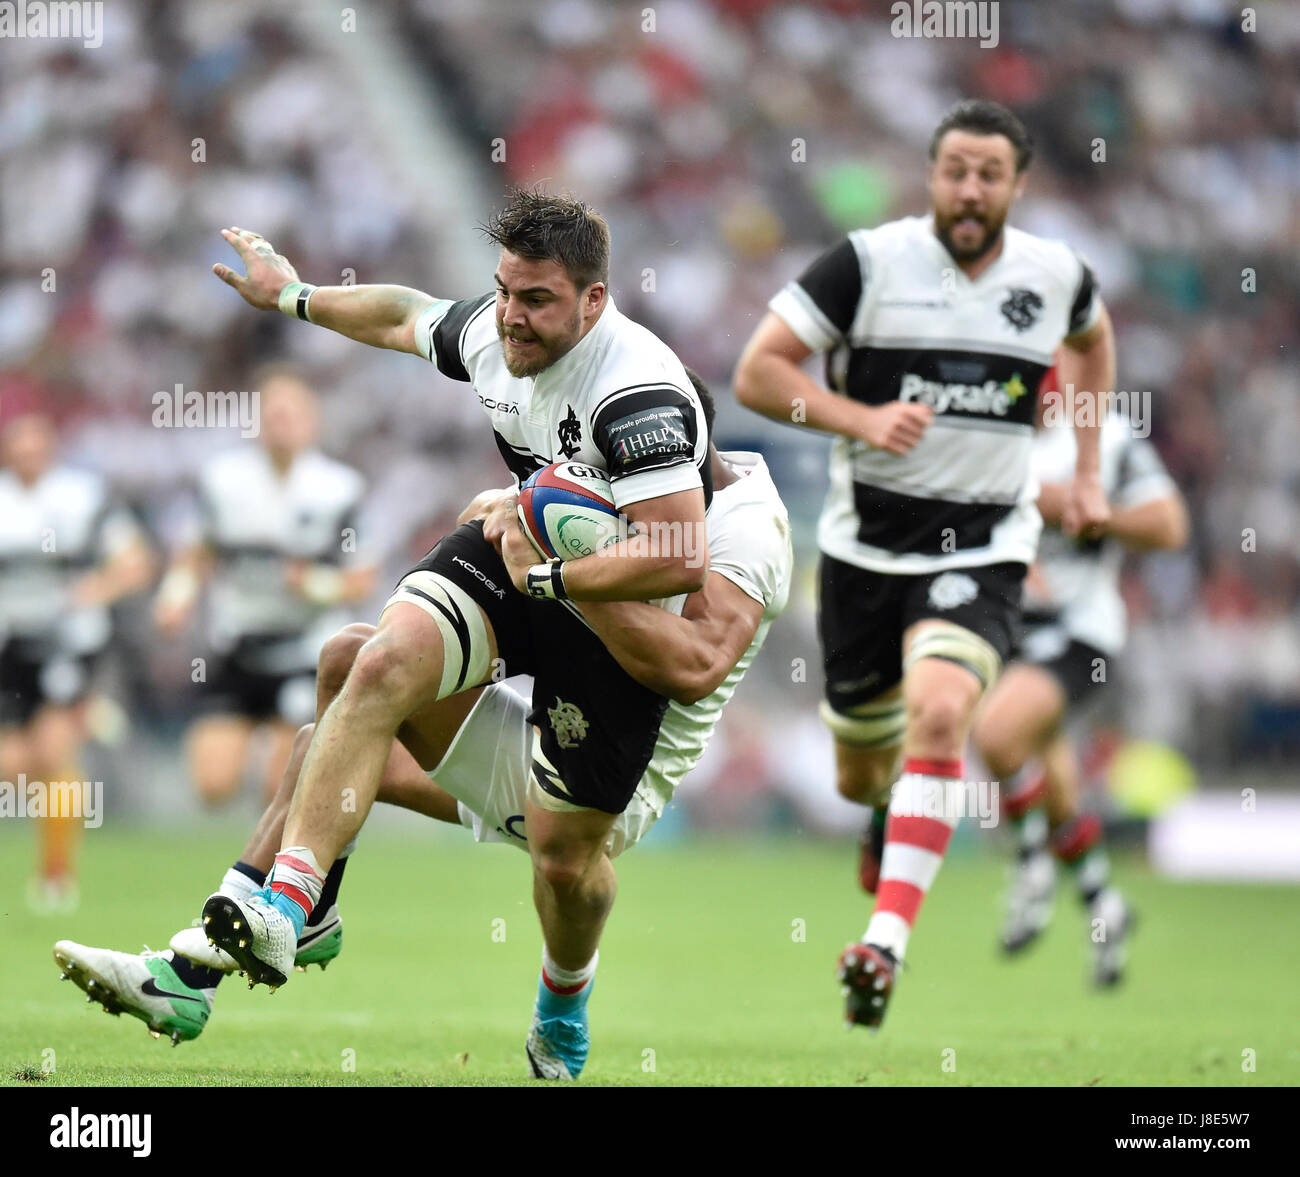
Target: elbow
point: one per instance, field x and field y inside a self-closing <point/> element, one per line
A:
<point x="743" y="387"/>
<point x="746" y="385"/>
<point x="688" y="687"/>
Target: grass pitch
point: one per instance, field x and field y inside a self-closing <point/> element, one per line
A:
<point x="717" y="968"/>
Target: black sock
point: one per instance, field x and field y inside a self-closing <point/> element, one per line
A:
<point x="258" y="876"/>
<point x="196" y="976"/>
<point x="329" y="893"/>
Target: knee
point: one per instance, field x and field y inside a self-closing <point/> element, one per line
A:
<point x="301" y="740"/>
<point x="563" y="873"/>
<point x="336" y="658"/>
<point x="938" y="717"/>
<point x="867" y="781"/>
<point x="1000" y="749"/>
<point x="380" y="679"/>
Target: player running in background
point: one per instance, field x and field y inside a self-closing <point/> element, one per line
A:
<point x="67" y="553"/>
<point x="936" y="329"/>
<point x="561" y="375"/>
<point x="276" y="548"/>
<point x="477" y="745"/>
<point x="1076" y="624"/>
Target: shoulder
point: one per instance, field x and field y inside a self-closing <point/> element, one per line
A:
<point x="749" y="530"/>
<point x="634" y="368"/>
<point x="332" y="477"/>
<point x="238" y="462"/>
<point x="1054" y="257"/>
<point x="73" y="484"/>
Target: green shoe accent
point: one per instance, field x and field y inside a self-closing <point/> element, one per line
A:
<point x="192" y="1006"/>
<point x="322" y="949"/>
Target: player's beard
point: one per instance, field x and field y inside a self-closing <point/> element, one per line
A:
<point x="943" y="227"/>
<point x="544" y="354"/>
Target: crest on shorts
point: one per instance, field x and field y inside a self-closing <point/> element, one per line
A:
<point x="570" y="434"/>
<point x="1022" y="308"/>
<point x="567" y="723"/>
<point x="952" y="589"/>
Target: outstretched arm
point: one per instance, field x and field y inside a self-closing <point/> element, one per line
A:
<point x="381" y="316"/>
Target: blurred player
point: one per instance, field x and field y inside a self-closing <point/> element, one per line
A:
<point x="278" y="522"/>
<point x="478" y="745"/>
<point x="935" y="329"/>
<point x="1076" y="626"/>
<point x="561" y="374"/>
<point x="66" y="554"/>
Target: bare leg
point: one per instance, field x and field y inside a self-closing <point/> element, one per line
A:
<point x="573" y="880"/>
<point x="397" y="672"/>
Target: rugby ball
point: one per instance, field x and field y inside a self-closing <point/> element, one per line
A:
<point x="567" y="511"/>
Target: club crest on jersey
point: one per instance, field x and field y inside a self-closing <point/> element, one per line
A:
<point x="570" y="434"/>
<point x="567" y="723"/>
<point x="1022" y="308"/>
<point x="952" y="589"/>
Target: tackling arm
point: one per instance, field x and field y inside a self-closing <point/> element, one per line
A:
<point x="685" y="658"/>
<point x="668" y="555"/>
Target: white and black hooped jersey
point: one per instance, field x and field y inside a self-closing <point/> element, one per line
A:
<point x="619" y="400"/>
<point x="257" y="523"/>
<point x="52" y="533"/>
<point x="1082" y="576"/>
<point x="899" y="321"/>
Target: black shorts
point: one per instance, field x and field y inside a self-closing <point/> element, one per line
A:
<point x="862" y="616"/>
<point x="35" y="672"/>
<point x="1080" y="668"/>
<point x="598" y="725"/>
<point x="262" y="677"/>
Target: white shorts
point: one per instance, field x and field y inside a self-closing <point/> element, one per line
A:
<point x="487" y="768"/>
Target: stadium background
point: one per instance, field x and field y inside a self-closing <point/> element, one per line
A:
<point x="367" y="154"/>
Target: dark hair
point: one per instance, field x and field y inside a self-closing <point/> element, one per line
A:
<point x="981" y="117"/>
<point x="537" y="225"/>
<point x="706" y="399"/>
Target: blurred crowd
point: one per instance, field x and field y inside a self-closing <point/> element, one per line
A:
<point x="728" y="142"/>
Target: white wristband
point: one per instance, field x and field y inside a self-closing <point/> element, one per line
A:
<point x="546" y="582"/>
<point x="294" y="299"/>
<point x="178" y="588"/>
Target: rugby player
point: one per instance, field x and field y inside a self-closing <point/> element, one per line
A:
<point x="67" y="553"/>
<point x="1076" y="623"/>
<point x="477" y="745"/>
<point x="561" y="374"/>
<point x="937" y="330"/>
<point x="277" y="550"/>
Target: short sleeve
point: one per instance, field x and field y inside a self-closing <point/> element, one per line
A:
<point x="1142" y="475"/>
<point x="650" y="439"/>
<point x="819" y="306"/>
<point x="440" y="329"/>
<point x="1085" y="306"/>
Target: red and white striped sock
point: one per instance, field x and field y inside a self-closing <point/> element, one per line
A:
<point x="567" y="982"/>
<point x="923" y="813"/>
<point x="298" y="877"/>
